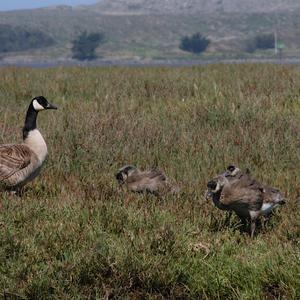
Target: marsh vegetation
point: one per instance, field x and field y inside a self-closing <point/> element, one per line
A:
<point x="73" y="235"/>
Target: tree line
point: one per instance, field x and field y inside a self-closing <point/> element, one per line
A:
<point x="198" y="43"/>
<point x="84" y="45"/>
<point x="21" y="39"/>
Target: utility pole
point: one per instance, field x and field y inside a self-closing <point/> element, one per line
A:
<point x="275" y="42"/>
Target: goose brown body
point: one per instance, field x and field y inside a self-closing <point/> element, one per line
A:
<point x="18" y="165"/>
<point x="21" y="163"/>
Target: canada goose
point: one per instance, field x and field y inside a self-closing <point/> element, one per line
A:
<point x="243" y="196"/>
<point x="153" y="181"/>
<point x="272" y="197"/>
<point x="21" y="163"/>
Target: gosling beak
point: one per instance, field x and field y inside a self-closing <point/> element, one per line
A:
<point x="212" y="185"/>
<point x="119" y="178"/>
<point x="208" y="195"/>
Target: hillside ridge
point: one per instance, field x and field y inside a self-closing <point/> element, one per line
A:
<point x="192" y="6"/>
<point x="140" y="29"/>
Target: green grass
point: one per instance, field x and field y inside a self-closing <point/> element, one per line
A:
<point x="74" y="236"/>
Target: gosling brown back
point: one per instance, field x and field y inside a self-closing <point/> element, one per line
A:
<point x="243" y="196"/>
<point x="272" y="197"/>
<point x="153" y="181"/>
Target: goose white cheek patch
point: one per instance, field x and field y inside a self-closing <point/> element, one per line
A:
<point x="37" y="106"/>
<point x="218" y="187"/>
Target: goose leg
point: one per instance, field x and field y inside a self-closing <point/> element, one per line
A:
<point x="228" y="217"/>
<point x="12" y="192"/>
<point x="242" y="225"/>
<point x="253" y="215"/>
<point x="15" y="192"/>
<point x="253" y="226"/>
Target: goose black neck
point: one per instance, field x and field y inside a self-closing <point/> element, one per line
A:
<point x="30" y="121"/>
<point x="216" y="201"/>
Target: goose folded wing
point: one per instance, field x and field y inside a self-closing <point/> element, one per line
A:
<point x="231" y="195"/>
<point x="156" y="174"/>
<point x="147" y="177"/>
<point x="13" y="158"/>
<point x="245" y="180"/>
<point x="271" y="190"/>
<point x="272" y="195"/>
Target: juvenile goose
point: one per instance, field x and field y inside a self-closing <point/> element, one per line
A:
<point x="21" y="163"/>
<point x="272" y="197"/>
<point x="153" y="181"/>
<point x="243" y="196"/>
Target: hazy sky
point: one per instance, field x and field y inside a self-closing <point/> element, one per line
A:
<point x="21" y="4"/>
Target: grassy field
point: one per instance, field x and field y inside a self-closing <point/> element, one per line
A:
<point x="73" y="235"/>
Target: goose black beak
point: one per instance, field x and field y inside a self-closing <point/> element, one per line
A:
<point x="51" y="106"/>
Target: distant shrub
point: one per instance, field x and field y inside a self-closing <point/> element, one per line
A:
<point x="20" y="39"/>
<point x="263" y="41"/>
<point x="84" y="46"/>
<point x="266" y="41"/>
<point x="134" y="6"/>
<point x="195" y="43"/>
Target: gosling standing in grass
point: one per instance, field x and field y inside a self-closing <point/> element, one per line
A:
<point x="237" y="191"/>
<point x="243" y="196"/>
<point x="154" y="181"/>
<point x="21" y="163"/>
<point x="272" y="197"/>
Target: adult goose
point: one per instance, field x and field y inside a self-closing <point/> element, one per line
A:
<point x="21" y="163"/>
<point x="150" y="181"/>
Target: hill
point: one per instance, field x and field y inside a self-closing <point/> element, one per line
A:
<point x="179" y="7"/>
<point x="153" y="29"/>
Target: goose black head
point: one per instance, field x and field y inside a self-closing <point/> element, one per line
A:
<point x="41" y="103"/>
<point x="37" y="104"/>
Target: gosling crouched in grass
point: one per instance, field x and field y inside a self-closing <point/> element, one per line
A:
<point x="153" y="181"/>
<point x="237" y="191"/>
<point x="21" y="163"/>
